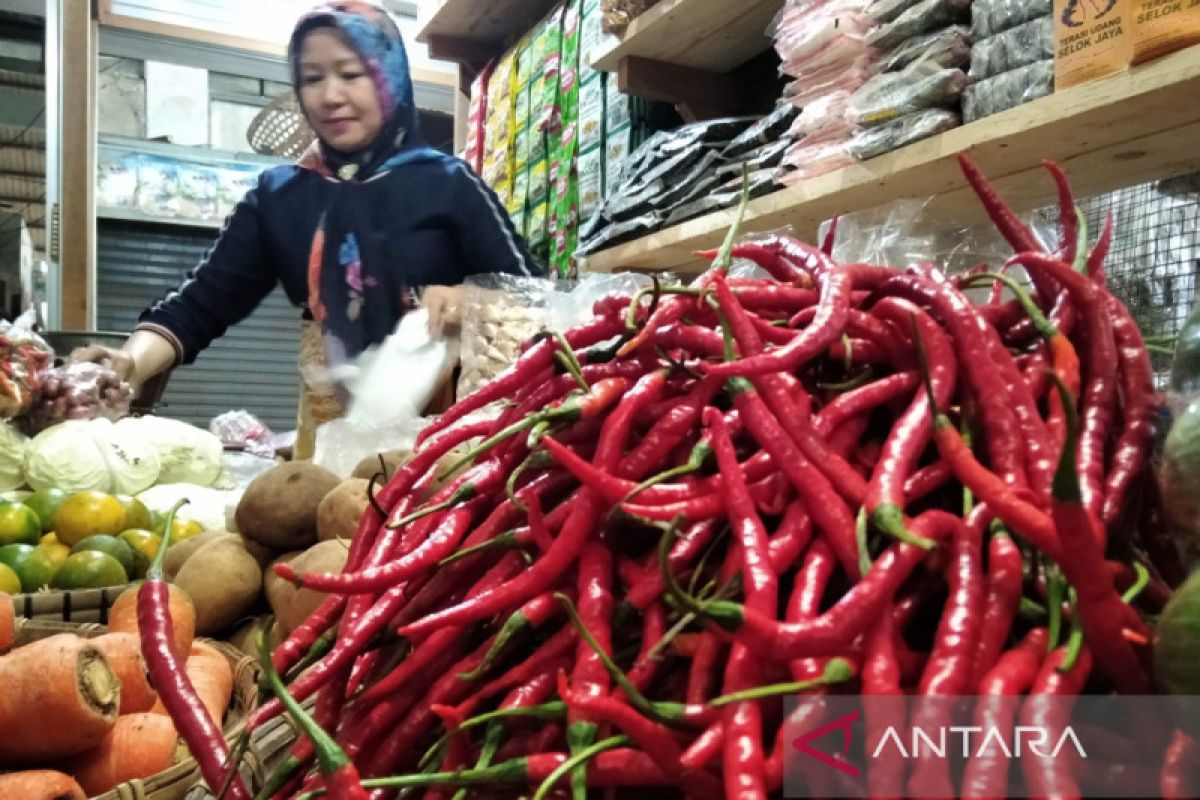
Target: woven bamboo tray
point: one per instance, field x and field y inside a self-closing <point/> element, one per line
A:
<point x="74" y="605"/>
<point x="176" y="782"/>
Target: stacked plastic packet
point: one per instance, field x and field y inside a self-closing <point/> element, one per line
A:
<point x="823" y="46"/>
<point x="1012" y="58"/>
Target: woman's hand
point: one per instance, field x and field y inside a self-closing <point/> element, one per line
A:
<point x="118" y="361"/>
<point x="444" y="304"/>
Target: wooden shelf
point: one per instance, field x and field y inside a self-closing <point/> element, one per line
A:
<point x="474" y="31"/>
<point x="1138" y="126"/>
<point x="712" y="35"/>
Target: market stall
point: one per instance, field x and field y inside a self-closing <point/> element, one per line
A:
<point x="795" y="433"/>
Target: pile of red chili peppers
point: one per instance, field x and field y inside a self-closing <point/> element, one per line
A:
<point x="843" y="478"/>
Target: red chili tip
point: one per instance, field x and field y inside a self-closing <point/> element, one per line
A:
<point x="286" y="572"/>
<point x="709" y="254"/>
<point x="451" y="717"/>
<point x="1134" y="637"/>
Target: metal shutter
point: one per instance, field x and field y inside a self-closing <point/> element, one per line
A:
<point x="252" y="367"/>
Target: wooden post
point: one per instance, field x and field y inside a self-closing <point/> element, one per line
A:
<point x="76" y="229"/>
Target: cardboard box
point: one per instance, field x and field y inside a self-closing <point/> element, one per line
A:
<point x="591" y="181"/>
<point x="1091" y="40"/>
<point x="591" y="112"/>
<point x="1163" y="26"/>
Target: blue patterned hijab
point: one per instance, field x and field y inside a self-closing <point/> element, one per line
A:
<point x="342" y="275"/>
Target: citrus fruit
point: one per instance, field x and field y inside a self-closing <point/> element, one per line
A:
<point x="9" y="582"/>
<point x="19" y="524"/>
<point x="42" y="564"/>
<point x="86" y="513"/>
<point x="89" y="569"/>
<point x="16" y="557"/>
<point x="49" y="538"/>
<point x="136" y="513"/>
<point x="144" y="545"/>
<point x="182" y="529"/>
<point x="45" y="503"/>
<point x="116" y="548"/>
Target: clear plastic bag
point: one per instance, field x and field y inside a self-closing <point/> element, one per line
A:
<point x="23" y="358"/>
<point x="500" y="312"/>
<point x="617" y="14"/>
<point x="891" y="95"/>
<point x="925" y="16"/>
<point x="990" y="17"/>
<point x="871" y="142"/>
<point x="1008" y="90"/>
<point x="1014" y="48"/>
<point x="342" y="443"/>
<point x="241" y="430"/>
<point x="946" y="47"/>
<point x="566" y="309"/>
<point x="80" y="390"/>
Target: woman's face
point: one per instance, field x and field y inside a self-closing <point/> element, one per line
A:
<point x="337" y="93"/>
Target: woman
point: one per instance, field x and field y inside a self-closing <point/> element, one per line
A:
<point x="368" y="224"/>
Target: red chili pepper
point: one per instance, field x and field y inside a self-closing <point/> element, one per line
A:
<point x="1101" y="610"/>
<point x="835" y="630"/>
<point x="744" y="761"/>
<point x="548" y="654"/>
<point x="165" y="667"/>
<point x="829" y="323"/>
<point x="1000" y="693"/>
<point x="670" y="310"/>
<point x="1095" y="261"/>
<point x="1100" y="392"/>
<point x="910" y="435"/>
<point x="1181" y="769"/>
<point x="1004" y="586"/>
<point x="654" y="625"/>
<point x="651" y="452"/>
<point x="1136" y="439"/>
<point x="791" y="537"/>
<point x="861" y="401"/>
<point x="685" y="551"/>
<point x="1048" y="709"/>
<point x="531" y="362"/>
<point x="812" y="260"/>
<point x="589" y="677"/>
<point x="766" y="257"/>
<point x="948" y="671"/>
<point x="1068" y="214"/>
<point x="970" y="334"/>
<point x="881" y="679"/>
<point x="926" y="481"/>
<point x="702" y="674"/>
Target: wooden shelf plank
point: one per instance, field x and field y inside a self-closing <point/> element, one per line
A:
<point x="714" y="35"/>
<point x="470" y="28"/>
<point x="1138" y="126"/>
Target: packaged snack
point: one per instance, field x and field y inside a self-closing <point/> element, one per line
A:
<point x="1008" y="90"/>
<point x="892" y="95"/>
<point x="1163" y="26"/>
<point x="946" y="47"/>
<point x="591" y="111"/>
<point x="1014" y="48"/>
<point x="989" y="17"/>
<point x="871" y="142"/>
<point x="925" y="16"/>
<point x="591" y="180"/>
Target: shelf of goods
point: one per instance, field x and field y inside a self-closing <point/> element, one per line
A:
<point x="474" y="31"/>
<point x="713" y="35"/>
<point x="1136" y="126"/>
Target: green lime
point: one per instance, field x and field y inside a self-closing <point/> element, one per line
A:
<point x="136" y="513"/>
<point x="16" y="557"/>
<point x="41" y="566"/>
<point x="9" y="582"/>
<point x="89" y="569"/>
<point x="100" y="543"/>
<point x="144" y="545"/>
<point x="19" y="524"/>
<point x="45" y="503"/>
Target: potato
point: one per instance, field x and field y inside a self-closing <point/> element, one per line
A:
<point x="279" y="508"/>
<point x="178" y="554"/>
<point x="224" y="581"/>
<point x="393" y="460"/>
<point x="245" y="638"/>
<point x="291" y="604"/>
<point x="339" y="512"/>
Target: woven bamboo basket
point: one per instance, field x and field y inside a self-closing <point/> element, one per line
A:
<point x="74" y="605"/>
<point x="280" y="129"/>
<point x="177" y="782"/>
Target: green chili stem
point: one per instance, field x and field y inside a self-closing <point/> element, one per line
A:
<point x="577" y="760"/>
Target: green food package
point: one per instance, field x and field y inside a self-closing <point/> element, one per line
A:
<point x="591" y="181"/>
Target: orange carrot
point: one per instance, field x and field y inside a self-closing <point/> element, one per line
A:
<point x="8" y="622"/>
<point x="139" y="745"/>
<point x="122" y="617"/>
<point x="124" y="654"/>
<point x="210" y="673"/>
<point x="40" y="784"/>
<point x="58" y="697"/>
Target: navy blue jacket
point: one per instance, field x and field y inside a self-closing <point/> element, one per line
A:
<point x="434" y="220"/>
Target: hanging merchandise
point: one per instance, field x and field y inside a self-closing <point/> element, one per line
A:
<point x="1012" y="49"/>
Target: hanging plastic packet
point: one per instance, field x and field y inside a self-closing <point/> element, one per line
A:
<point x="946" y="47"/>
<point x="871" y="142"/>
<point x="767" y="130"/>
<point x="926" y="16"/>
<point x="1007" y="90"/>
<point x="990" y="17"/>
<point x="891" y="95"/>
<point x="1014" y="48"/>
